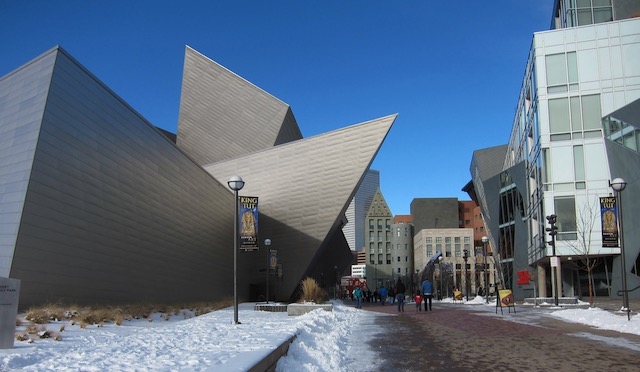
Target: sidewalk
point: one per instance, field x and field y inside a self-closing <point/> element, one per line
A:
<point x="463" y="337"/>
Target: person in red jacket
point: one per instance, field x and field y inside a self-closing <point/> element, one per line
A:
<point x="418" y="299"/>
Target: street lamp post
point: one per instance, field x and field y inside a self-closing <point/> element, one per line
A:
<point x="485" y="240"/>
<point x="336" y="282"/>
<point x="267" y="243"/>
<point x="441" y="278"/>
<point x="466" y="279"/>
<point x="236" y="184"/>
<point x="618" y="184"/>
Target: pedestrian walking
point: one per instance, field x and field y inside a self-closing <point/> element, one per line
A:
<point x="427" y="293"/>
<point x="358" y="294"/>
<point x="383" y="295"/>
<point x="392" y="295"/>
<point x="400" y="289"/>
<point x="418" y="299"/>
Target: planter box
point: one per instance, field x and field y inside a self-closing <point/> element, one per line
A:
<point x="299" y="309"/>
<point x="276" y="308"/>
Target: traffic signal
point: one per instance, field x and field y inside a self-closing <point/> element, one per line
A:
<point x="552" y="229"/>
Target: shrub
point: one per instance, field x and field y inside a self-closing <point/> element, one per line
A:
<point x="38" y="316"/>
<point x="311" y="291"/>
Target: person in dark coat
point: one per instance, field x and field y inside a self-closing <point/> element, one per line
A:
<point x="400" y="289"/>
<point x="427" y="294"/>
<point x="383" y="295"/>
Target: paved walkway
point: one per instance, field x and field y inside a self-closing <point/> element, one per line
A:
<point x="456" y="337"/>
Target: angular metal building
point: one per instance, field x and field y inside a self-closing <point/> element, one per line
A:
<point x="99" y="206"/>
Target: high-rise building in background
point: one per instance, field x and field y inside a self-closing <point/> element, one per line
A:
<point x="575" y="129"/>
<point x="378" y="240"/>
<point x="354" y="230"/>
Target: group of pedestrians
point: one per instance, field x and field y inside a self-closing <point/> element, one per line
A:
<point x="423" y="295"/>
<point x="397" y="294"/>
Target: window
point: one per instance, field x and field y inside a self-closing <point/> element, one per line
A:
<point x="429" y="251"/>
<point x="398" y="258"/>
<point x="398" y="270"/>
<point x="406" y="258"/>
<point x="457" y="248"/>
<point x="562" y="72"/>
<point x="371" y="236"/>
<point x="578" y="166"/>
<point x="388" y="259"/>
<point x="591" y="112"/>
<point x="447" y="239"/>
<point x="559" y="119"/>
<point x="574" y="115"/>
<point x="429" y="239"/>
<point x="565" y="209"/>
<point x="372" y="259"/>
<point x="371" y="224"/>
<point x="379" y="224"/>
<point x="438" y="239"/>
<point x="456" y="239"/>
<point x="467" y="239"/>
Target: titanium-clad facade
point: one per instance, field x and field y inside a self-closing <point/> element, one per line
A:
<point x="223" y="116"/>
<point x="112" y="210"/>
<point x="99" y="206"/>
<point x="303" y="199"/>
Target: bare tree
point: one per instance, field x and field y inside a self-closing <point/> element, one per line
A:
<point x="582" y="246"/>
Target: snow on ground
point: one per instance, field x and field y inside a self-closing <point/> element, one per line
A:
<point x="324" y="341"/>
<point x="601" y="319"/>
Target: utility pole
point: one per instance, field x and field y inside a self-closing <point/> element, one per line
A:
<point x="553" y="231"/>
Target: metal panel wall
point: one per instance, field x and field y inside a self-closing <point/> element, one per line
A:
<point x="306" y="186"/>
<point x="223" y="116"/>
<point x="114" y="211"/>
<point x="22" y="99"/>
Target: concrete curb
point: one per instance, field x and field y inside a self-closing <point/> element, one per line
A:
<point x="268" y="364"/>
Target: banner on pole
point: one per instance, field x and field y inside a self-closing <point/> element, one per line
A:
<point x="609" y="218"/>
<point x="248" y="215"/>
<point x="273" y="259"/>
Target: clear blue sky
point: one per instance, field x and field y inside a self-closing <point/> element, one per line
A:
<point x="451" y="69"/>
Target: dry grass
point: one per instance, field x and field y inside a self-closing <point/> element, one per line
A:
<point x="35" y="317"/>
<point x="311" y="292"/>
<point x="99" y="315"/>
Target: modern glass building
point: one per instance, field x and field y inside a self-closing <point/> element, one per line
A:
<point x="565" y="147"/>
<point x="99" y="206"/>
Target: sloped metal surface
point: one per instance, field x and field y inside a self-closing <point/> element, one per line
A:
<point x="223" y="116"/>
<point x="114" y="212"/>
<point x="306" y="186"/>
<point x="23" y="96"/>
